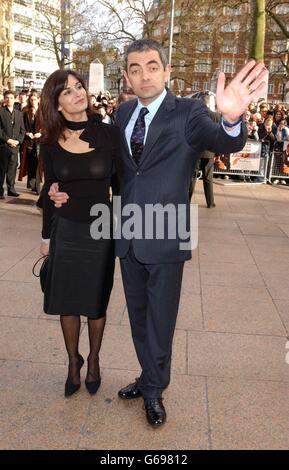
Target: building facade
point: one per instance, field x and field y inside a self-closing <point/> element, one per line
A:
<point x="33" y="59"/>
<point x="209" y="37"/>
<point x="6" y="40"/>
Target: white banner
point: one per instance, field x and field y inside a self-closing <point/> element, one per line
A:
<point x="248" y="159"/>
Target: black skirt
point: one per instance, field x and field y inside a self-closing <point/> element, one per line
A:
<point x="80" y="271"/>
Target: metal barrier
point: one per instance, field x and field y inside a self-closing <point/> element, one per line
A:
<point x="251" y="162"/>
<point x="279" y="163"/>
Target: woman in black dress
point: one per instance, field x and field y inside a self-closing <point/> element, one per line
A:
<point x="30" y="158"/>
<point x="78" y="152"/>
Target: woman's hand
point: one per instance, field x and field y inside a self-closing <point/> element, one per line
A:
<point x="44" y="248"/>
<point x="56" y="196"/>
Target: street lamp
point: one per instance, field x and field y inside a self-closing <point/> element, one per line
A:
<point x="171" y="34"/>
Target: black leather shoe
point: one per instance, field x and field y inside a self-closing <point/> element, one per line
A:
<point x="155" y="411"/>
<point x="211" y="205"/>
<point x="13" y="193"/>
<point x="130" y="392"/>
<point x="92" y="387"/>
<point x="70" y="388"/>
<point x="2" y="197"/>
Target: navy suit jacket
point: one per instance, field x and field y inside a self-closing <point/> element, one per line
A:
<point x="177" y="135"/>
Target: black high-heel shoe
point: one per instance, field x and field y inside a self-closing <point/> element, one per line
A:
<point x="93" y="386"/>
<point x="70" y="388"/>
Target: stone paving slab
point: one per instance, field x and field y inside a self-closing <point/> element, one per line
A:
<point x="30" y="299"/>
<point x="237" y="355"/>
<point x="230" y="275"/>
<point x="264" y="229"/>
<point x="277" y="284"/>
<point x="34" y="413"/>
<point x="187" y="425"/>
<point x="28" y="339"/>
<point x="232" y="236"/>
<point x="21" y="271"/>
<point x="248" y="415"/>
<point x="225" y="253"/>
<point x="190" y="312"/>
<point x="241" y="310"/>
<point x="268" y="244"/>
<point x="283" y="309"/>
<point x="269" y="262"/>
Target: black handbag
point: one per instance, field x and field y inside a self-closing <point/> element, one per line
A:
<point x="42" y="271"/>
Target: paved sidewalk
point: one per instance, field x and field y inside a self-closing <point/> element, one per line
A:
<point x="230" y="380"/>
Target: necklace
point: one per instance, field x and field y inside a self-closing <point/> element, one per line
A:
<point x="76" y="126"/>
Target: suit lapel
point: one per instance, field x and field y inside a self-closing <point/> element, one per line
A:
<point x="124" y="122"/>
<point x="158" y="124"/>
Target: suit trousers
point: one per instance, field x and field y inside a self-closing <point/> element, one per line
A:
<point x="4" y="159"/>
<point x="152" y="294"/>
<point x="206" y="165"/>
<point x="11" y="170"/>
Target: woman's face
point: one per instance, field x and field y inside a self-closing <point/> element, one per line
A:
<point x="34" y="101"/>
<point x="73" y="99"/>
<point x="278" y="115"/>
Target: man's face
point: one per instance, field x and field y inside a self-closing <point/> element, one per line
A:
<point x="146" y="75"/>
<point x="9" y="100"/>
<point x="263" y="112"/>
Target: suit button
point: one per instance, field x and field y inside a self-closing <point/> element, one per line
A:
<point x="137" y="173"/>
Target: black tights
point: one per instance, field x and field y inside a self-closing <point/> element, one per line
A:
<point x="71" y="330"/>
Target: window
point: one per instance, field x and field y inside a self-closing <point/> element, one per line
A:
<point x="270" y="88"/>
<point x="178" y="13"/>
<point x="282" y="9"/>
<point x="230" y="27"/>
<point x="157" y="32"/>
<point x="206" y="86"/>
<point x="22" y="20"/>
<point x="23" y="56"/>
<point x="46" y="9"/>
<point x="229" y="47"/>
<point x="202" y="65"/>
<point x="23" y="73"/>
<point x="281" y="88"/>
<point x="203" y="46"/>
<point x="233" y="11"/>
<point x="228" y="65"/>
<point x="182" y="67"/>
<point x="205" y="28"/>
<point x="42" y="42"/>
<point x="275" y="66"/>
<point x="23" y="38"/>
<point x="24" y="3"/>
<point x="195" y="86"/>
<point x="42" y="75"/>
<point x="279" y="45"/>
<point x="177" y="29"/>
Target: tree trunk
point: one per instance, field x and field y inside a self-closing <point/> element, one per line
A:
<point x="258" y="29"/>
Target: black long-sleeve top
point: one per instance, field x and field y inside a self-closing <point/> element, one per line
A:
<point x="85" y="177"/>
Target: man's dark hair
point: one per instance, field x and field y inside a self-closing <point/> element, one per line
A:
<point x="143" y="45"/>
<point x="9" y="92"/>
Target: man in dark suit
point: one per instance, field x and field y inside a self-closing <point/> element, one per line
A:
<point x="206" y="165"/>
<point x="162" y="137"/>
<point x="12" y="132"/>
